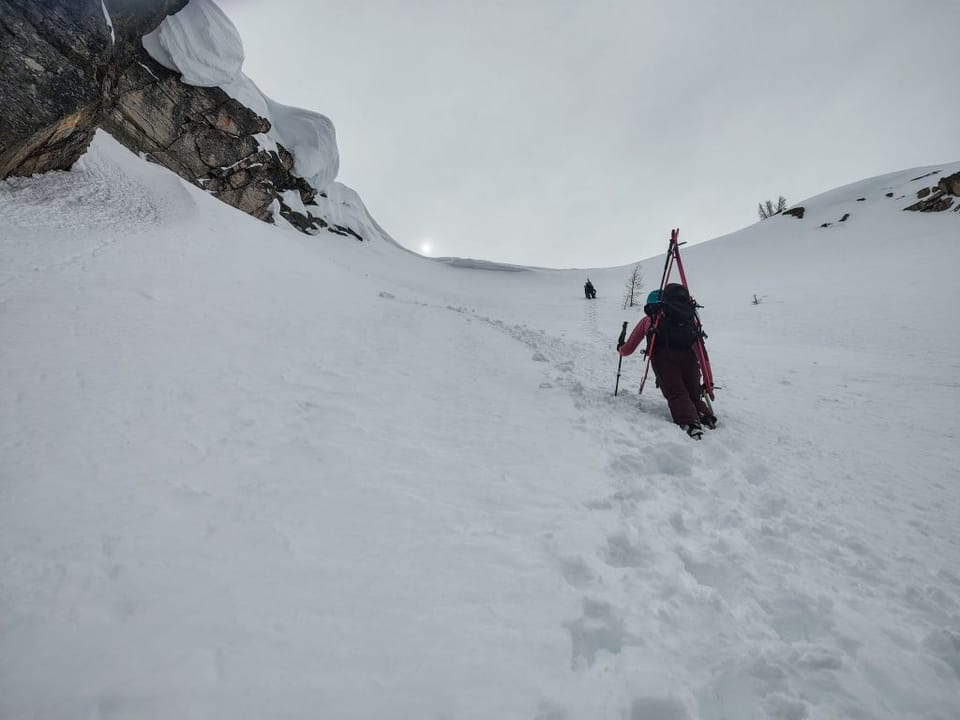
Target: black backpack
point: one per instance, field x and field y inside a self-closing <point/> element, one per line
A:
<point x="677" y="327"/>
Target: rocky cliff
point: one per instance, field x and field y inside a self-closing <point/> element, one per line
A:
<point x="68" y="67"/>
<point x="939" y="197"/>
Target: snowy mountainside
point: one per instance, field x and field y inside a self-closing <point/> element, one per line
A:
<point x="250" y="473"/>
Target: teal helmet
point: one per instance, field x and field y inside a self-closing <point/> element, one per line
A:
<point x="653" y="297"/>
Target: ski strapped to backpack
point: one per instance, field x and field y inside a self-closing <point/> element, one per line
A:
<point x="679" y="317"/>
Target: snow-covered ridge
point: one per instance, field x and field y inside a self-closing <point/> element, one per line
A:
<point x="203" y="45"/>
<point x="900" y="189"/>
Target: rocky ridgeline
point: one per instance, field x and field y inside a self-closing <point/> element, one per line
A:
<point x="58" y="59"/>
<point x="935" y="198"/>
<point x="64" y="72"/>
<point x="939" y="197"/>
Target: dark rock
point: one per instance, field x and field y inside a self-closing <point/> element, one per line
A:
<point x="62" y="77"/>
<point x="890" y="194"/>
<point x="52" y="56"/>
<point x="937" y="202"/>
<point x="304" y="223"/>
<point x="351" y="232"/>
<point x="53" y="147"/>
<point x="132" y="19"/>
<point x="860" y="199"/>
<point x="206" y="137"/>
<point x="921" y="177"/>
<point x="826" y="225"/>
<point x="797" y="212"/>
<point x="56" y="62"/>
<point x="343" y="230"/>
<point x="950" y="184"/>
<point x="939" y="197"/>
<point x="845" y="216"/>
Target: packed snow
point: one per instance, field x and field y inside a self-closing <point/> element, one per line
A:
<point x="248" y="473"/>
<point x="202" y="44"/>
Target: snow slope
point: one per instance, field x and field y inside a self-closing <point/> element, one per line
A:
<point x="247" y="473"/>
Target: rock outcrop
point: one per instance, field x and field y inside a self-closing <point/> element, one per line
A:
<point x="939" y="197"/>
<point x="56" y="61"/>
<point x="67" y="68"/>
<point x="52" y="60"/>
<point x="204" y="136"/>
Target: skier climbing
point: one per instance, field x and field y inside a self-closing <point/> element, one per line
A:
<point x="669" y="317"/>
<point x="589" y="290"/>
<point x="675" y="348"/>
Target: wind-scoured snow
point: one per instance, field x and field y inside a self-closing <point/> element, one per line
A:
<point x="248" y="473"/>
<point x="202" y="44"/>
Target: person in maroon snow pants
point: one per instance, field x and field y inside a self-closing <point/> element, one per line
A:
<point x="678" y="376"/>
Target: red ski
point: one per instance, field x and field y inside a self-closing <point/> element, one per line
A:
<point x="706" y="372"/>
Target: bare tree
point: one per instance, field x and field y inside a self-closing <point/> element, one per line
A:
<point x="634" y="285"/>
<point x="768" y="209"/>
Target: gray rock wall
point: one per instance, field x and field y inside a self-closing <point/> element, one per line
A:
<point x="939" y="197"/>
<point x="53" y="56"/>
<point x="62" y="76"/>
<point x="203" y="135"/>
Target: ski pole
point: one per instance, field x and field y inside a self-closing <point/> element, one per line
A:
<point x="620" y="341"/>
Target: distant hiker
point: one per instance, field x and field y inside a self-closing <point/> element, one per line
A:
<point x="670" y="316"/>
<point x="589" y="290"/>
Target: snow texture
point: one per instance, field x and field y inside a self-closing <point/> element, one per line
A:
<point x="200" y="43"/>
<point x="308" y="135"/>
<point x="203" y="45"/>
<point x="249" y="473"/>
<point x="109" y="21"/>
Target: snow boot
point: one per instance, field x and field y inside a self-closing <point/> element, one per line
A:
<point x="694" y="431"/>
<point x="710" y="421"/>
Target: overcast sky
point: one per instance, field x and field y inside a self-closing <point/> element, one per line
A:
<point x="576" y="134"/>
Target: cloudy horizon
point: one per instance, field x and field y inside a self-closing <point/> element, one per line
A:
<point x="574" y="134"/>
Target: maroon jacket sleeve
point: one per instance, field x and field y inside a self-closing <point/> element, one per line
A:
<point x="639" y="332"/>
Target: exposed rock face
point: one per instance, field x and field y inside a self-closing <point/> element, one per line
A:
<point x="939" y="197"/>
<point x="66" y="72"/>
<point x="55" y="62"/>
<point x="132" y="19"/>
<point x="52" y="59"/>
<point x="935" y="203"/>
<point x="206" y="137"/>
<point x="950" y="184"/>
<point x="797" y="212"/>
